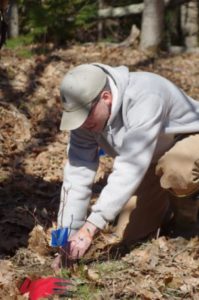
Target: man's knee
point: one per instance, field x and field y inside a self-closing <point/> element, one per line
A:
<point x="178" y="168"/>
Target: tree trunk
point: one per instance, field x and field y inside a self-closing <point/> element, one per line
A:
<point x="3" y="23"/>
<point x="13" y="26"/>
<point x="3" y="5"/>
<point x="190" y="23"/>
<point x="100" y="22"/>
<point x="152" y="25"/>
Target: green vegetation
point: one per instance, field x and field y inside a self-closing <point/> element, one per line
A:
<point x="87" y="292"/>
<point x="19" y="45"/>
<point x="57" y="20"/>
<point x="19" y="41"/>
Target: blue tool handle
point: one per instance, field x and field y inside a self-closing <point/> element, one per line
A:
<point x="59" y="237"/>
<point x="101" y="152"/>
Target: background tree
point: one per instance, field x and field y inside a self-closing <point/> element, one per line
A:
<point x="190" y="23"/>
<point x="57" y="20"/>
<point x="100" y="22"/>
<point x="153" y="29"/>
<point x="13" y="24"/>
<point x="3" y="23"/>
<point x="152" y="25"/>
<point x="65" y="22"/>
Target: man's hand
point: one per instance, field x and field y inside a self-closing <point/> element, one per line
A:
<point x="77" y="246"/>
<point x="81" y="241"/>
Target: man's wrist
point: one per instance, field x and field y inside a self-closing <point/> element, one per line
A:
<point x="90" y="229"/>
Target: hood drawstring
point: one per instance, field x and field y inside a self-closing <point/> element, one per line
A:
<point x="110" y="131"/>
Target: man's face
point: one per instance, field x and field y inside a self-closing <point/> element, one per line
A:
<point x="99" y="113"/>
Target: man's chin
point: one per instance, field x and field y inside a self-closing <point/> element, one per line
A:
<point x="97" y="129"/>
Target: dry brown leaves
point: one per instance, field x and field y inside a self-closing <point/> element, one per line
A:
<point x="39" y="241"/>
<point x="7" y="280"/>
<point x="32" y="154"/>
<point x="160" y="269"/>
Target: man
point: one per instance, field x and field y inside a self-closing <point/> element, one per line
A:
<point x="151" y="128"/>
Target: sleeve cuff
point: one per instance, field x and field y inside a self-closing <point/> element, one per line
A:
<point x="97" y="220"/>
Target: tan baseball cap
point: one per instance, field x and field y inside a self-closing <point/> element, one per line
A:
<point x="79" y="87"/>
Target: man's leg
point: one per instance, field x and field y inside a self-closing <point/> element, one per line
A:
<point x="178" y="170"/>
<point x="144" y="213"/>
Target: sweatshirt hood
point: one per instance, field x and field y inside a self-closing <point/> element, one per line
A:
<point x="120" y="76"/>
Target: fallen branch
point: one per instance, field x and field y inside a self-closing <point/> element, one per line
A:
<point x="117" y="12"/>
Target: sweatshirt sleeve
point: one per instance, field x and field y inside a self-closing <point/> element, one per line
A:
<point x="145" y="120"/>
<point x="79" y="174"/>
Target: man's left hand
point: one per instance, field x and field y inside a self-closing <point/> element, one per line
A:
<point x="77" y="245"/>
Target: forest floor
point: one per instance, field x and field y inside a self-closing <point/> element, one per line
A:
<point x="32" y="156"/>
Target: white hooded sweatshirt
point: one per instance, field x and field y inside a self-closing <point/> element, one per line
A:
<point x="149" y="112"/>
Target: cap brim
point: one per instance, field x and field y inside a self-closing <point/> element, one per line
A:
<point x="73" y="120"/>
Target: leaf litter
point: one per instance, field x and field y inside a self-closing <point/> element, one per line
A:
<point x="32" y="156"/>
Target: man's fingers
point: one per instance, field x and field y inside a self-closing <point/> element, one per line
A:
<point x="77" y="249"/>
<point x="56" y="263"/>
<point x="78" y="244"/>
<point x="74" y="253"/>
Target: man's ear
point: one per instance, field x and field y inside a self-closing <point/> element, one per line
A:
<point x="107" y="97"/>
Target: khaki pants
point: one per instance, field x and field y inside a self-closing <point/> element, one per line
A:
<point x="165" y="185"/>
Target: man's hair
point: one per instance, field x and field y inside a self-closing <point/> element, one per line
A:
<point x="105" y="88"/>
